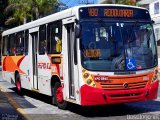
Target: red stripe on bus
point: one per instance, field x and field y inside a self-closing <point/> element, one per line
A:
<point x="58" y="69"/>
<point x="19" y="62"/>
<point x="4" y="64"/>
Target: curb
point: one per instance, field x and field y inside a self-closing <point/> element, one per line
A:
<point x="15" y="105"/>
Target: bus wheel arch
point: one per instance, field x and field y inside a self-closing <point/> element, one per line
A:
<point x="54" y="79"/>
<point x="57" y="93"/>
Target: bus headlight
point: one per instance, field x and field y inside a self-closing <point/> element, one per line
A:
<point x="155" y="76"/>
<point x="86" y="75"/>
<point x="89" y="81"/>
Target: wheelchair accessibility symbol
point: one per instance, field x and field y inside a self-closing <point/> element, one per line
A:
<point x="131" y="64"/>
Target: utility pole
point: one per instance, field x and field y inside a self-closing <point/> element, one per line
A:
<point x="86" y="2"/>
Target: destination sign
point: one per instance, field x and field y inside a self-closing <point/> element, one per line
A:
<point x="118" y="12"/>
<point x="113" y="12"/>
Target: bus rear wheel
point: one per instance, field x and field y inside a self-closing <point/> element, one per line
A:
<point x="58" y="96"/>
<point x="18" y="84"/>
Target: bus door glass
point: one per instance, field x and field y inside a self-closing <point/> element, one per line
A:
<point x="34" y="40"/>
<point x="70" y="66"/>
<point x="70" y="38"/>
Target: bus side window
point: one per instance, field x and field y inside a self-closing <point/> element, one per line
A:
<point x="54" y="37"/>
<point x="42" y="40"/>
<point x="11" y="45"/>
<point x="49" y="29"/>
<point x="5" y="46"/>
<point x="20" y="43"/>
<point x="26" y="41"/>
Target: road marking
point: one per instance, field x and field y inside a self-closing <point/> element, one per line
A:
<point x="15" y="104"/>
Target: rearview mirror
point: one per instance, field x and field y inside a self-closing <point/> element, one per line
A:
<point x="77" y="31"/>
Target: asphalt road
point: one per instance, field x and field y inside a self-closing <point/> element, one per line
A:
<point x="37" y="107"/>
<point x="7" y="111"/>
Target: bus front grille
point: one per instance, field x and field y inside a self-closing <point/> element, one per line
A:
<point x="122" y="86"/>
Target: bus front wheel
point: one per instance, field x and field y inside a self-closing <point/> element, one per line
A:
<point x="58" y="96"/>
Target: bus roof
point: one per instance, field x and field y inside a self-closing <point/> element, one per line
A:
<point x="58" y="16"/>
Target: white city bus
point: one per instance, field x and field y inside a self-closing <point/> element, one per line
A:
<point x="87" y="55"/>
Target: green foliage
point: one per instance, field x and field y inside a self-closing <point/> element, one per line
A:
<point x="42" y="7"/>
<point x="21" y="10"/>
<point x="124" y="2"/>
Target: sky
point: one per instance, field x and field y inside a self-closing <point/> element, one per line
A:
<point x="72" y="3"/>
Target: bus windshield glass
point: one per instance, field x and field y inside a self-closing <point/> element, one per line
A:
<point x="111" y="46"/>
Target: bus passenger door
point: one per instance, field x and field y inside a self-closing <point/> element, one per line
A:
<point x="71" y="70"/>
<point x="33" y="57"/>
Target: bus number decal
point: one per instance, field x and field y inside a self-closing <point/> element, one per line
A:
<point x="93" y="11"/>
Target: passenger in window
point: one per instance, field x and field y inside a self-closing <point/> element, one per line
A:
<point x="43" y="46"/>
<point x="12" y="51"/>
<point x="58" y="44"/>
<point x="20" y="46"/>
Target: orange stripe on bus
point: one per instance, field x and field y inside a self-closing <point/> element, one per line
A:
<point x="10" y="65"/>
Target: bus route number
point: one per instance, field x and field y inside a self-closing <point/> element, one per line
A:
<point x="93" y="11"/>
<point x="92" y="53"/>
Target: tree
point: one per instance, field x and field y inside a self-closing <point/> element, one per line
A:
<point x="42" y="7"/>
<point x="125" y="2"/>
<point x="21" y="10"/>
<point x="18" y="11"/>
<point x="60" y="6"/>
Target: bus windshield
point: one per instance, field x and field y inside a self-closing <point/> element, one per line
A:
<point x="110" y="46"/>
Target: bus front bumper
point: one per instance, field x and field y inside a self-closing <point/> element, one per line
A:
<point x="95" y="96"/>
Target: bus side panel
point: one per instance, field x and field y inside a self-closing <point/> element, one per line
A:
<point x="25" y="78"/>
<point x="5" y="74"/>
<point x="10" y="64"/>
<point x="44" y="74"/>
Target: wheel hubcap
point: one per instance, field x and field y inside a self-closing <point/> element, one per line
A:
<point x="59" y="95"/>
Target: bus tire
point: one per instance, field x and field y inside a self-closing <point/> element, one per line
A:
<point x="53" y="96"/>
<point x="18" y="84"/>
<point x="58" y="96"/>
